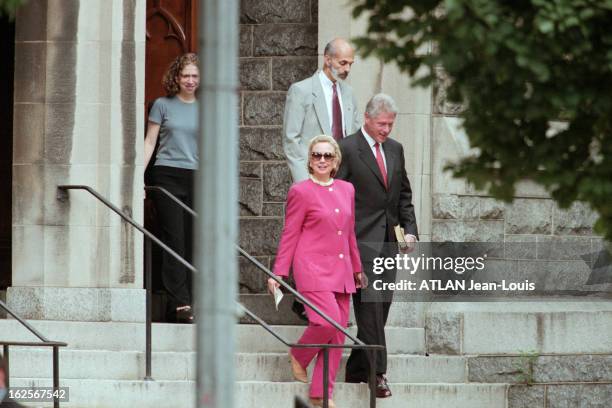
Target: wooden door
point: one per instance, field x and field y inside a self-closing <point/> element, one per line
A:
<point x="7" y="55"/>
<point x="171" y="31"/>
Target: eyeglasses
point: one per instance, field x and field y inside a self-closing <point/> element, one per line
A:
<point x="326" y="156"/>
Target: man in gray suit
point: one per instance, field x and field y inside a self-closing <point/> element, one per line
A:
<point x="321" y="104"/>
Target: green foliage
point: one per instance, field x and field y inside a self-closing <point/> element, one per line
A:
<point x="9" y="7"/>
<point x="524" y="367"/>
<point x="515" y="66"/>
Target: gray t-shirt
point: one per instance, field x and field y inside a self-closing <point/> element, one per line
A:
<point x="178" y="133"/>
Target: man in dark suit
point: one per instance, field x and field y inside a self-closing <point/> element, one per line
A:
<point x="375" y="165"/>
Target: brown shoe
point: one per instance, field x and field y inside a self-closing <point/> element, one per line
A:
<point x="318" y="402"/>
<point x="299" y="372"/>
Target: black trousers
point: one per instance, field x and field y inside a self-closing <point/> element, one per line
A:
<point x="371" y="312"/>
<point x="176" y="227"/>
<point x="371" y="309"/>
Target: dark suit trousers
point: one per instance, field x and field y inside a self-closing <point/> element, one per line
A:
<point x="371" y="319"/>
<point x="371" y="312"/>
<point x="176" y="229"/>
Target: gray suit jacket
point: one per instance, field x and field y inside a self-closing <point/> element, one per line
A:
<point x="306" y="116"/>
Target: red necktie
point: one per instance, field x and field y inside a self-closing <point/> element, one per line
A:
<point x="381" y="163"/>
<point x="336" y="115"/>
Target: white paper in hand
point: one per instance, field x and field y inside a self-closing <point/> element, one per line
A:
<point x="278" y="296"/>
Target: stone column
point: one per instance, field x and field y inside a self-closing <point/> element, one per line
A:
<point x="79" y="109"/>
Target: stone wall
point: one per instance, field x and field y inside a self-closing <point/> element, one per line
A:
<point x="78" y="109"/>
<point x="278" y="46"/>
<point x="553" y="381"/>
<point x="552" y="354"/>
<point x="535" y="238"/>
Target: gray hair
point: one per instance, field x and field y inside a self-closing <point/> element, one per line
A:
<point x="380" y="103"/>
<point x="331" y="48"/>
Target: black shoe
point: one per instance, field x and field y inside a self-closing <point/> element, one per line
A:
<point x="382" y="387"/>
<point x="184" y="314"/>
<point x="298" y="309"/>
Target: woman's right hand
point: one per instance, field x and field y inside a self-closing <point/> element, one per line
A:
<point x="272" y="285"/>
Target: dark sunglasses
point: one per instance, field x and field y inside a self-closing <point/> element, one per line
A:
<point x="326" y="156"/>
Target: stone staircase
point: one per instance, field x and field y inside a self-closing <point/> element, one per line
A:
<point x="104" y="363"/>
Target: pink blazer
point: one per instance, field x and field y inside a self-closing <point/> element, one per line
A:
<point x="318" y="238"/>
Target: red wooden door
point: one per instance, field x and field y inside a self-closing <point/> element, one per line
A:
<point x="171" y="31"/>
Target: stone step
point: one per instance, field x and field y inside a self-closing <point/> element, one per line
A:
<point x="281" y="395"/>
<point x="542" y="306"/>
<point x="400" y="340"/>
<point x="249" y="394"/>
<point x="181" y="337"/>
<point x="130" y="365"/>
<point x="402" y="314"/>
<point x="400" y="368"/>
<point x="499" y="330"/>
<point x="557" y="332"/>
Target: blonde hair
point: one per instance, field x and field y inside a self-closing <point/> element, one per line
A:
<point x="169" y="82"/>
<point x="333" y="143"/>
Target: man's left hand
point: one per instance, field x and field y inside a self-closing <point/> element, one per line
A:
<point x="410" y="243"/>
<point x="361" y="281"/>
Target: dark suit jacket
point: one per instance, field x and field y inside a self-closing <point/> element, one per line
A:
<point x="377" y="210"/>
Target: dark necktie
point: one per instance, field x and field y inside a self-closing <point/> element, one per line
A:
<point x="381" y="163"/>
<point x="336" y="115"/>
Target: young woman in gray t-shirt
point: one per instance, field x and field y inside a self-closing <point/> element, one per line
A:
<point x="173" y="120"/>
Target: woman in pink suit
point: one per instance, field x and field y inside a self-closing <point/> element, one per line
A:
<point x="318" y="241"/>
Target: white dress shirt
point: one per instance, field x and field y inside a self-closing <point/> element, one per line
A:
<point x="372" y="142"/>
<point x="327" y="85"/>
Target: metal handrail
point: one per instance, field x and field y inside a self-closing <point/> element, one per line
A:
<point x="23" y="322"/>
<point x="173" y="198"/>
<point x="265" y="270"/>
<point x="148" y="284"/>
<point x="325" y="347"/>
<point x="129" y="220"/>
<point x="44" y="342"/>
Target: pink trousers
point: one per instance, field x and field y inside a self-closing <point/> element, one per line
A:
<point x="319" y="331"/>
